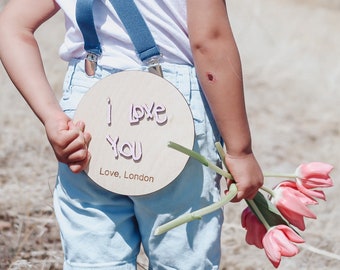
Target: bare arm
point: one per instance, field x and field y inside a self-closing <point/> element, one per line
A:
<point x="218" y="67"/>
<point x="20" y="55"/>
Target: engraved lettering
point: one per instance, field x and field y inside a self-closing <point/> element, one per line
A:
<point x="140" y="177"/>
<point x="108" y="172"/>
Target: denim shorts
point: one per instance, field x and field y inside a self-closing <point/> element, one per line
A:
<point x="103" y="230"/>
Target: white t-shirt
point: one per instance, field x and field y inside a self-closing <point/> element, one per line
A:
<point x="166" y="19"/>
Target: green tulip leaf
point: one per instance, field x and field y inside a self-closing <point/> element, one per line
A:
<point x="268" y="210"/>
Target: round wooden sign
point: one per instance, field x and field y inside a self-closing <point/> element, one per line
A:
<point x="132" y="115"/>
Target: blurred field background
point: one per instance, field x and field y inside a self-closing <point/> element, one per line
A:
<point x="290" y="51"/>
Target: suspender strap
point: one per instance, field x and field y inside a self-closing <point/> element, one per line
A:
<point x="137" y="29"/>
<point x="134" y="24"/>
<point x="84" y="16"/>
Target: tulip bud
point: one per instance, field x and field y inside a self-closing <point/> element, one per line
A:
<point x="278" y="242"/>
<point x="292" y="203"/>
<point x="314" y="175"/>
<point x="255" y="229"/>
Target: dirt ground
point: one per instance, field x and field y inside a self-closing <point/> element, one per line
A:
<point x="290" y="54"/>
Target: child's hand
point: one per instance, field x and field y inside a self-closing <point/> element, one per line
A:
<point x="247" y="175"/>
<point x="69" y="142"/>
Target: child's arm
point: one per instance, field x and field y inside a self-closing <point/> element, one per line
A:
<point x="219" y="70"/>
<point x="21" y="58"/>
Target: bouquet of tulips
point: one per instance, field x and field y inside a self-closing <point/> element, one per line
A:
<point x="271" y="222"/>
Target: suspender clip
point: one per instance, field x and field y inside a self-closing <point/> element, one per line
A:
<point x="91" y="64"/>
<point x="154" y="65"/>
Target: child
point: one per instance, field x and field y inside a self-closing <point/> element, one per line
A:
<point x="104" y="230"/>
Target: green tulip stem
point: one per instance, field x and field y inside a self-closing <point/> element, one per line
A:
<point x="258" y="213"/>
<point x="280" y="175"/>
<point x="265" y="174"/>
<point x="199" y="213"/>
<point x="200" y="158"/>
<point x="230" y="195"/>
<point x="221" y="153"/>
<point x="268" y="190"/>
<point x="217" y="169"/>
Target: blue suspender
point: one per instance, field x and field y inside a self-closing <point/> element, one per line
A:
<point x="137" y="29"/>
<point x="84" y="16"/>
<point x="134" y="24"/>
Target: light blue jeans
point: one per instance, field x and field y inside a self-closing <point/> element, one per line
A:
<point x="104" y="230"/>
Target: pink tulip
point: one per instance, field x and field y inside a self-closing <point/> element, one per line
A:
<point x="313" y="193"/>
<point x="278" y="242"/>
<point x="314" y="175"/>
<point x="255" y="229"/>
<point x="292" y="203"/>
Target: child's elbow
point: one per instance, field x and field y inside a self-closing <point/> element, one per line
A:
<point x="208" y="43"/>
